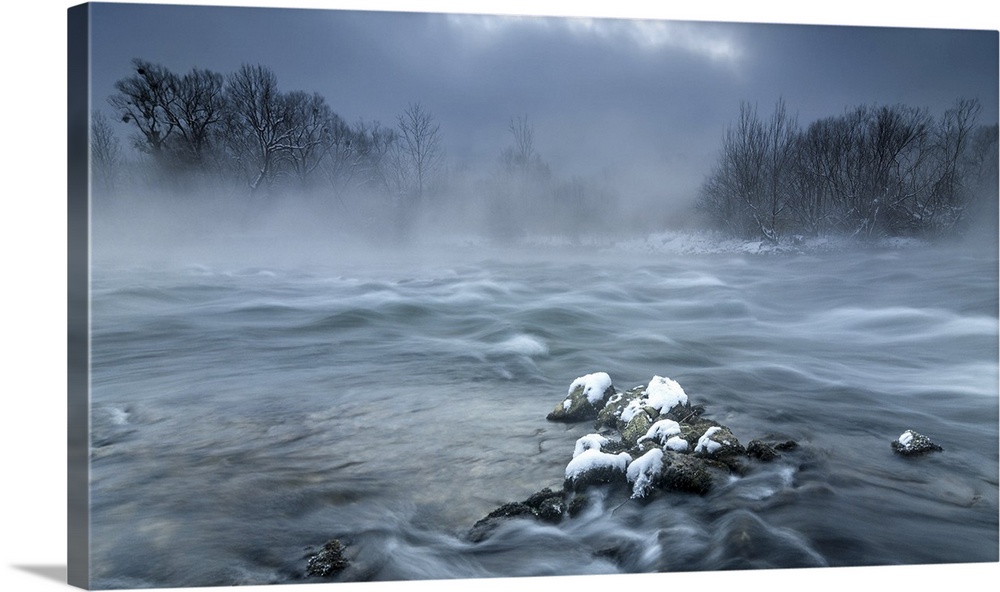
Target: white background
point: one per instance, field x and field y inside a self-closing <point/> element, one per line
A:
<point x="33" y="250"/>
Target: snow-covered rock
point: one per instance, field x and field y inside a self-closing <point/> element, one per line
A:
<point x="592" y="466"/>
<point x="911" y="443"/>
<point x="662" y="430"/>
<point x="644" y="471"/>
<point x="719" y="443"/>
<point x="587" y="395"/>
<point x="647" y="439"/>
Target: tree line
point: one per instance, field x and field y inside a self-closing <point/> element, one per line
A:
<point x="874" y="171"/>
<point x="242" y="132"/>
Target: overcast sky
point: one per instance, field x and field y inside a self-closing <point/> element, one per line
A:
<point x="646" y="98"/>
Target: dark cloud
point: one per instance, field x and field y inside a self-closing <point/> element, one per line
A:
<point x="645" y="97"/>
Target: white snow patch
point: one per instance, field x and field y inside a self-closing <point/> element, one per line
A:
<point x="664" y="394"/>
<point x="677" y="443"/>
<point x="567" y="404"/>
<point x="706" y="444"/>
<point x="643" y="470"/>
<point x="662" y="430"/>
<point x="593" y="458"/>
<point x="906" y="438"/>
<point x="661" y="393"/>
<point x="632" y="409"/>
<point x="589" y="442"/>
<point x="594" y="385"/>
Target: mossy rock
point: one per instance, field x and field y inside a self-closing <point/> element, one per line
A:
<point x="547" y="505"/>
<point x="686" y="473"/>
<point x="578" y="407"/>
<point x="610" y="416"/>
<point x="693" y="431"/>
<point x="719" y="443"/>
<point x="684" y="413"/>
<point x="595" y="476"/>
<point x="637" y="427"/>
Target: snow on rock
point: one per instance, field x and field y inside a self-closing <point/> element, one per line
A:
<point x="643" y="471"/>
<point x="662" y="430"/>
<point x="911" y="443"/>
<point x="706" y="443"/>
<point x="665" y="394"/>
<point x="611" y="415"/>
<point x="719" y="443"/>
<point x="662" y="394"/>
<point x="594" y="386"/>
<point x="589" y="442"/>
<point x="646" y="439"/>
<point x="678" y="444"/>
<point x="593" y="466"/>
<point x="587" y="395"/>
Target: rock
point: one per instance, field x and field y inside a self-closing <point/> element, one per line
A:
<point x="692" y="431"/>
<point x="644" y="471"/>
<point x="587" y="396"/>
<point x="329" y="561"/>
<point x="636" y="427"/>
<point x="761" y="451"/>
<point x="578" y="504"/>
<point x="610" y="416"/>
<point x="485" y="526"/>
<point x="683" y="472"/>
<point x="545" y="505"/>
<point x="651" y="438"/>
<point x="911" y="443"/>
<point x="786" y="445"/>
<point x="662" y="397"/>
<point x="719" y="443"/>
<point x="765" y="452"/>
<point x="594" y="467"/>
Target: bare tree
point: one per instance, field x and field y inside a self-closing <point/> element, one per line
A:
<point x="257" y="129"/>
<point x="144" y="99"/>
<point x="952" y="141"/>
<point x="359" y="157"/>
<point x="875" y="170"/>
<point x="519" y="183"/>
<point x="422" y="153"/>
<point x="199" y="106"/>
<point x="105" y="154"/>
<point x="174" y="115"/>
<point x="782" y="136"/>
<point x="311" y="127"/>
<point x="734" y="194"/>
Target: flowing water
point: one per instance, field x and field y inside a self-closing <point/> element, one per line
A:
<point x="242" y="416"/>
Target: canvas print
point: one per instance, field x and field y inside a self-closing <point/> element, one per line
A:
<point x="400" y="296"/>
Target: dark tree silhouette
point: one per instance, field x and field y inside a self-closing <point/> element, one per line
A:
<point x="874" y="171"/>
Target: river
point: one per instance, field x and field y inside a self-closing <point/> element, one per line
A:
<point x="243" y="414"/>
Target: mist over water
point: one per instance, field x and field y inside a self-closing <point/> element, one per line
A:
<point x="267" y="386"/>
